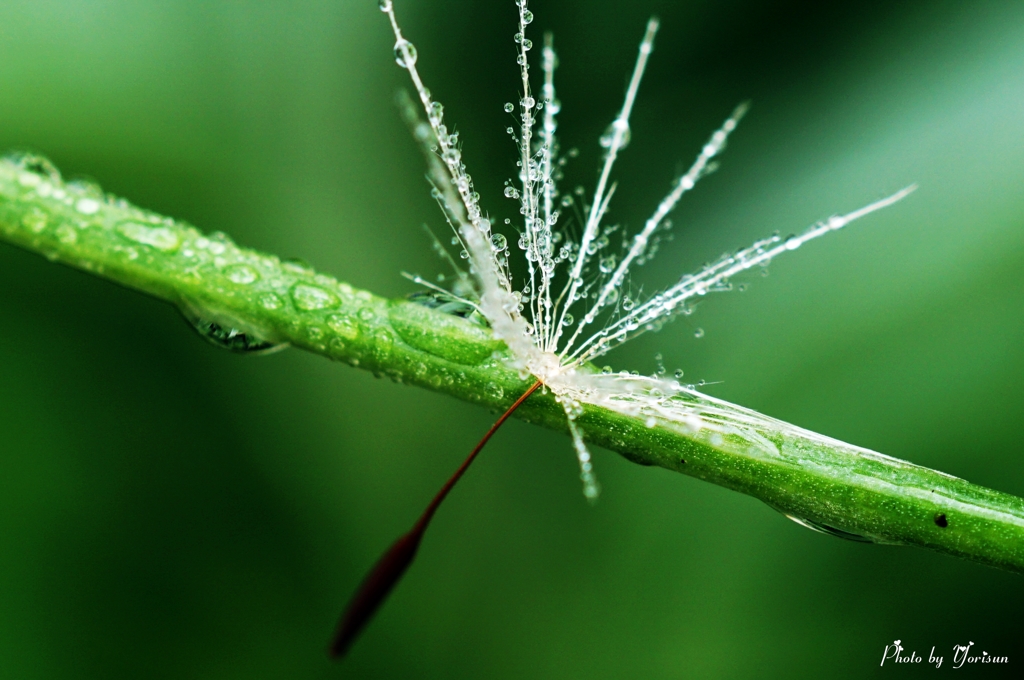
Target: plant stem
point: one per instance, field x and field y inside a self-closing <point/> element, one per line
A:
<point x="822" y="482"/>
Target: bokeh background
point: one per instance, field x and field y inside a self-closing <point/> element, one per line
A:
<point x="169" y="510"/>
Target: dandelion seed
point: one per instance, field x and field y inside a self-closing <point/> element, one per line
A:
<point x="563" y="316"/>
<point x="546" y="334"/>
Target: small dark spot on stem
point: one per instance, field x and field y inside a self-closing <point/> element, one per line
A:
<point x="941" y="521"/>
<point x="682" y="461"/>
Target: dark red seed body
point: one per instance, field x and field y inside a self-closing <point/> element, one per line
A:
<point x="392" y="565"/>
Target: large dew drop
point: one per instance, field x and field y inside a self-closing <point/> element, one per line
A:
<point x="161" y="238"/>
<point x="35" y="169"/>
<point x="311" y="298"/>
<point x="88" y="206"/>
<point x="620" y="129"/>
<point x="828" y="530"/>
<point x="227" y="337"/>
<point x="241" y="273"/>
<point x="344" y="325"/>
<point x="405" y="53"/>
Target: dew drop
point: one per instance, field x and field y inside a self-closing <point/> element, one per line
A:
<point x="242" y="274"/>
<point x="344" y="325"/>
<point x="511" y="192"/>
<point x="826" y="529"/>
<point x="567" y="320"/>
<point x="161" y="238"/>
<point x="28" y="179"/>
<point x="678" y="374"/>
<point x="699" y="333"/>
<point x="365" y="313"/>
<point x="34" y="165"/>
<point x="66" y="234"/>
<point x="509" y="108"/>
<point x="227" y="337"/>
<point x="436" y="112"/>
<point x="35" y="221"/>
<point x="88" y="206"/>
<point x="310" y="298"/>
<point x="499" y="242"/>
<point x="384" y="341"/>
<point x="620" y="128"/>
<point x="405" y="53"/>
<point x="527" y="17"/>
<point x="627" y="303"/>
<point x="217" y="246"/>
<point x="607" y="264"/>
<point x="495" y="391"/>
<point x="270" y="301"/>
<point x="385" y="5"/>
<point x="792" y="243"/>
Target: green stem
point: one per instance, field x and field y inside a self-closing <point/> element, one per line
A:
<point x="823" y="482"/>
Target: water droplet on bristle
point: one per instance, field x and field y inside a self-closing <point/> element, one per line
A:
<point x="436" y="112"/>
<point x="405" y="53"/>
<point x="620" y="128"/>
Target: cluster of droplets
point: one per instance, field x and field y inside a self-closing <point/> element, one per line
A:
<point x="62" y="219"/>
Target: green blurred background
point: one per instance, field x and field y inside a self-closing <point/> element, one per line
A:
<point x="169" y="510"/>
